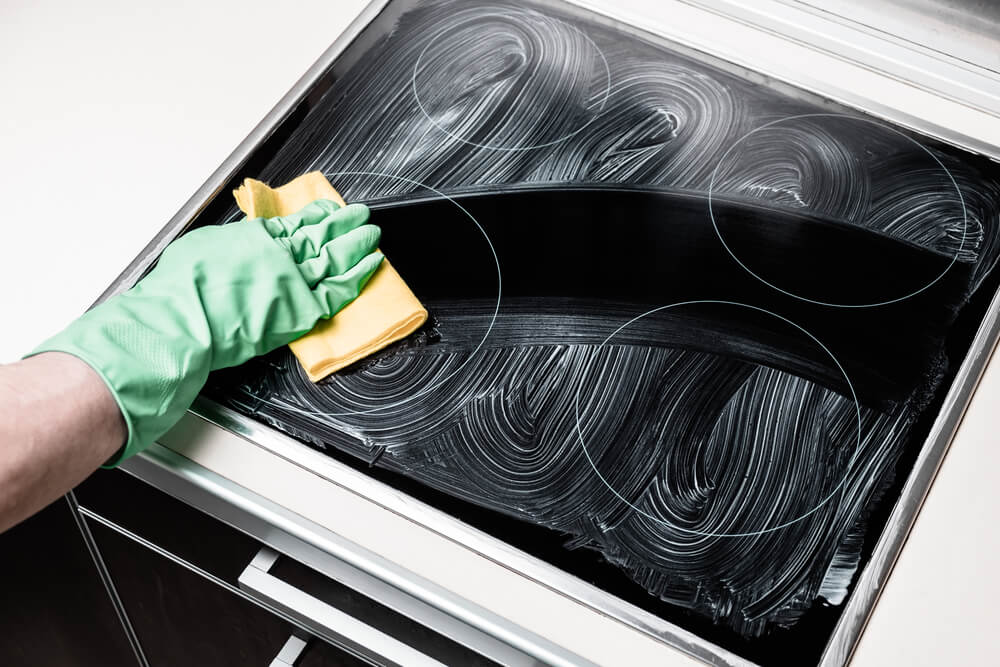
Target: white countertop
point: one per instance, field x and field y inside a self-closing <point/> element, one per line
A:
<point x="114" y="114"/>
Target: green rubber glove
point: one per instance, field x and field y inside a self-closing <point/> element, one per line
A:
<point x="217" y="297"/>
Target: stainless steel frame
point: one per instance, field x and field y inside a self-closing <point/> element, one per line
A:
<point x="927" y="68"/>
<point x="872" y="579"/>
<point x="168" y="471"/>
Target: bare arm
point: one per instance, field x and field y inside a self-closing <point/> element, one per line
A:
<point x="58" y="423"/>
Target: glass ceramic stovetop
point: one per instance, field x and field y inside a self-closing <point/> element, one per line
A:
<point x="688" y="332"/>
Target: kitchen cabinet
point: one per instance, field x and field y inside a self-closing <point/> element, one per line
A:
<point x="182" y="618"/>
<point x="196" y="593"/>
<point x="54" y="610"/>
<point x="176" y="572"/>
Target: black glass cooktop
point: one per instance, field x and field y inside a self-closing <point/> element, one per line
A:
<point x="688" y="332"/>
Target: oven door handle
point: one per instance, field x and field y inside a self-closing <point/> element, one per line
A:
<point x="290" y="652"/>
<point x="324" y="619"/>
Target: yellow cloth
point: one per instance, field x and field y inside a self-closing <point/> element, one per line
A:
<point x="386" y="310"/>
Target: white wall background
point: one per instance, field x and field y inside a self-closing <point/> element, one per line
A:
<point x="112" y="113"/>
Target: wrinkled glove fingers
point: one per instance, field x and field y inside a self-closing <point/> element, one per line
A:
<point x="340" y="254"/>
<point x="336" y="292"/>
<point x="308" y="241"/>
<point x="310" y="214"/>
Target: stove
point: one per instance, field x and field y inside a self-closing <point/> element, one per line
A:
<point x="692" y="330"/>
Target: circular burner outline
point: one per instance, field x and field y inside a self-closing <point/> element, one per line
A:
<point x="604" y="102"/>
<point x="440" y="382"/>
<point x="718" y="232"/>
<point x="833" y="492"/>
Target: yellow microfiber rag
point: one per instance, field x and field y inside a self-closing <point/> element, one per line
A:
<point x="386" y="310"/>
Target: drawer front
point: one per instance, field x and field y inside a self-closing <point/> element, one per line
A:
<point x="200" y="590"/>
<point x="181" y="618"/>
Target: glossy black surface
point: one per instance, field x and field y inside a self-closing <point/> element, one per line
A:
<point x="53" y="608"/>
<point x="650" y="247"/>
<point x="169" y="523"/>
<point x="181" y="618"/>
<point x="157" y="591"/>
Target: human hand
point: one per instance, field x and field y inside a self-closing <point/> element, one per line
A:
<point x="217" y="297"/>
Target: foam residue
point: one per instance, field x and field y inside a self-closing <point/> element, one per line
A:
<point x="700" y="443"/>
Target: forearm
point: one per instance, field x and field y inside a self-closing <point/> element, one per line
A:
<point x="59" y="423"/>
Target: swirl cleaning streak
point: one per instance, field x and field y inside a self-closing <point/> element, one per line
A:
<point x="710" y="427"/>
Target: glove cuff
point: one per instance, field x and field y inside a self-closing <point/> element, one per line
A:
<point x="153" y="375"/>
